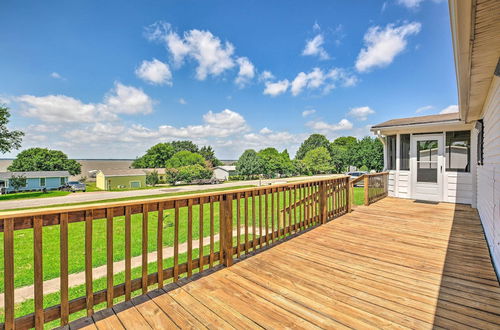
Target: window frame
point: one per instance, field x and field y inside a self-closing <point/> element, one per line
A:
<point x="391" y="152"/>
<point x="401" y="152"/>
<point x="44" y="182"/>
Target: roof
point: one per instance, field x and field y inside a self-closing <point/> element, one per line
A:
<point x="475" y="27"/>
<point x="126" y="172"/>
<point x="422" y="120"/>
<point x="227" y="168"/>
<point x="159" y="170"/>
<point x="35" y="174"/>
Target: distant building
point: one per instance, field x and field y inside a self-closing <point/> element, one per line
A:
<point x="223" y="172"/>
<point x="36" y="180"/>
<point x="113" y="179"/>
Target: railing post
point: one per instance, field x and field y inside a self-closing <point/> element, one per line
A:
<point x="226" y="224"/>
<point x="366" y="188"/>
<point x="322" y="202"/>
<point x="348" y="195"/>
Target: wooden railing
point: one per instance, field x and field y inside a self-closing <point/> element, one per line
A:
<point x="245" y="221"/>
<point x="375" y="186"/>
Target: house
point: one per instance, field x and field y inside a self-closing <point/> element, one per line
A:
<point x="224" y="172"/>
<point x="36" y="180"/>
<point x="456" y="157"/>
<point x="161" y="173"/>
<point x="121" y="179"/>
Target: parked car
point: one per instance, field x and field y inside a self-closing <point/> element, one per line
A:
<point x="355" y="175"/>
<point x="74" y="186"/>
<point x="212" y="180"/>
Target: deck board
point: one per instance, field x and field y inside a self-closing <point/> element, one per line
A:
<point x="394" y="264"/>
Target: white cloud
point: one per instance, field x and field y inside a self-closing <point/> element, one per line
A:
<point x="246" y="71"/>
<point x="276" y="88"/>
<point x="450" y="109"/>
<point x="128" y="100"/>
<point x="212" y="56"/>
<point x="424" y="108"/>
<point x="182" y="101"/>
<point x="265" y="130"/>
<point x="307" y="113"/>
<point x="361" y="113"/>
<point x="56" y="75"/>
<point x="316" y="26"/>
<point x="324" y="127"/>
<point x="317" y="79"/>
<point x="314" y="47"/>
<point x="266" y="75"/>
<point x="412" y="4"/>
<point x="61" y="108"/>
<point x="154" y="72"/>
<point x="382" y="45"/>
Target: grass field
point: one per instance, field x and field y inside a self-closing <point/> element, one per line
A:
<point x="31" y="195"/>
<point x="359" y="195"/>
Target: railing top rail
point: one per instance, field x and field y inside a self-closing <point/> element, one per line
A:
<point x="138" y="202"/>
<point x="359" y="178"/>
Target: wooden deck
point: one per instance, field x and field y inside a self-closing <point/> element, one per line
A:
<point x="394" y="264"/>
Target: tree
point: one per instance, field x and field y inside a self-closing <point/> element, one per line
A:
<point x="312" y="142"/>
<point x="17" y="182"/>
<point x="152" y="178"/>
<point x="184" y="145"/>
<point x="287" y="167"/>
<point x="208" y="153"/>
<point x="369" y="152"/>
<point x="155" y="157"/>
<point x="342" y="150"/>
<point x="42" y="159"/>
<point x="185" y="158"/>
<point x="318" y="160"/>
<point x="9" y="140"/>
<point x="272" y="162"/>
<point x="249" y="164"/>
<point x="187" y="173"/>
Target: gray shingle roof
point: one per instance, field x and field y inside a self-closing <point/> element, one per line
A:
<point x="35" y="174"/>
<point x="419" y="120"/>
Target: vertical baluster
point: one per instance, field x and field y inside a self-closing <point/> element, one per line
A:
<point x="200" y="235"/>
<point x="88" y="262"/>
<point x="267" y="216"/>
<point x="190" y="238"/>
<point x="238" y="225"/>
<point x="63" y="247"/>
<point x="159" y="246"/>
<point x="128" y="254"/>
<point x="278" y="212"/>
<point x="272" y="215"/>
<point x="295" y="208"/>
<point x="109" y="256"/>
<point x="246" y="222"/>
<point x="254" y="231"/>
<point x="145" y="212"/>
<point x="260" y="219"/>
<point x="38" y="270"/>
<point x="8" y="246"/>
<point x="176" y="241"/>
<point x="211" y="232"/>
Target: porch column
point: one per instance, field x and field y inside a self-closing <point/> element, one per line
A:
<point x="398" y="157"/>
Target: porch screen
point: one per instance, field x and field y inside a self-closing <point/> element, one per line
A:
<point x="404" y="152"/>
<point x="391" y="152"/>
<point x="458" y="151"/>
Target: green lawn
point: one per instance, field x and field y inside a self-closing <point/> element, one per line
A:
<point x="359" y="195"/>
<point x="32" y="194"/>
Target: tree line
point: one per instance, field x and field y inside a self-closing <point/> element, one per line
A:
<point x="316" y="155"/>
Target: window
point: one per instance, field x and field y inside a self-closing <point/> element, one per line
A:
<point x="458" y="151"/>
<point x="42" y="182"/>
<point x="63" y="181"/>
<point x="391" y="152"/>
<point x="404" y="152"/>
<point x="480" y="142"/>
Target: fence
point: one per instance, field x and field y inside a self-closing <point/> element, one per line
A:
<point x="212" y="228"/>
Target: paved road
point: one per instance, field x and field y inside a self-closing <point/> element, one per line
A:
<point x="100" y="195"/>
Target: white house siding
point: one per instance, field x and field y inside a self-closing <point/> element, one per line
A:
<point x="392" y="184"/>
<point x="404" y="184"/>
<point x="458" y="187"/>
<point x="488" y="175"/>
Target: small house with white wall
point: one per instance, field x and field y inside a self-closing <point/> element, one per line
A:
<point x="456" y="157"/>
<point x="224" y="172"/>
<point x="35" y="180"/>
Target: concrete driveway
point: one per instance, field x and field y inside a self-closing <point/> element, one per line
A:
<point x="100" y="195"/>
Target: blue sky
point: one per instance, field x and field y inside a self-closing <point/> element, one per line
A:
<point x="109" y="79"/>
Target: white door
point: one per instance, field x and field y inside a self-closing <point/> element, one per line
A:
<point x="427" y="167"/>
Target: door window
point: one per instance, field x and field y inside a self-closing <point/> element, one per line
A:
<point x="427" y="161"/>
